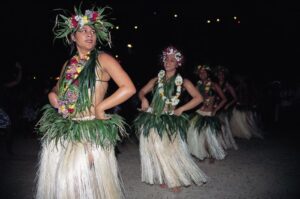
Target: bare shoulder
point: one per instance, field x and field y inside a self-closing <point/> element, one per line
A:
<point x="106" y="59"/>
<point x="187" y="82"/>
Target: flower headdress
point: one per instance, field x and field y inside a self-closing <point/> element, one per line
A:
<point x="172" y="50"/>
<point x="64" y="26"/>
<point x="202" y="66"/>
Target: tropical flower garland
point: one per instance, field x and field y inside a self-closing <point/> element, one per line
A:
<point x="171" y="50"/>
<point x="174" y="100"/>
<point x="69" y="92"/>
<point x="95" y="18"/>
<point x="205" y="90"/>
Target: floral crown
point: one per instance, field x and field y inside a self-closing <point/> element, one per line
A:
<point x="64" y="26"/>
<point x="172" y="50"/>
<point x="204" y="66"/>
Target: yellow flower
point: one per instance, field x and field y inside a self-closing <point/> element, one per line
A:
<point x="72" y="106"/>
<point x="85" y="19"/>
<point x="78" y="69"/>
<point x="62" y="108"/>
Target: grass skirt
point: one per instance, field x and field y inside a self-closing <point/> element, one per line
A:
<point x="207" y="143"/>
<point x="77" y="170"/>
<point x="165" y="161"/>
<point x="227" y="134"/>
<point x="243" y="124"/>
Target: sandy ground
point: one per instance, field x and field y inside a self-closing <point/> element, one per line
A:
<point x="259" y="169"/>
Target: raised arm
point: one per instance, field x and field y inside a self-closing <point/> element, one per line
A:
<point x="144" y="91"/>
<point x="194" y="93"/>
<point x="125" y="86"/>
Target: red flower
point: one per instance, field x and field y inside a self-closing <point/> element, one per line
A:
<point x="70" y="110"/>
<point x="94" y="16"/>
<point x="73" y="61"/>
<point x="68" y="76"/>
<point x="74" y="22"/>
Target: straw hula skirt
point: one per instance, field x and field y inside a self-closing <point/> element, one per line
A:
<point x="78" y="170"/>
<point x="205" y="138"/>
<point x="165" y="158"/>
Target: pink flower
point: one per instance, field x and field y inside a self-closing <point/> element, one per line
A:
<point x="94" y="16"/>
<point x="68" y="76"/>
<point x="74" y="22"/>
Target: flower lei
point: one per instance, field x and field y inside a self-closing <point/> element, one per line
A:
<point x="69" y="93"/>
<point x="206" y="90"/>
<point x="174" y="100"/>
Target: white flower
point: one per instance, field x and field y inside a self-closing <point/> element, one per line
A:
<point x="175" y="101"/>
<point x="178" y="56"/>
<point x="168" y="101"/>
<point x="77" y="18"/>
<point x="161" y="74"/>
<point x="88" y="13"/>
<point x="178" y="80"/>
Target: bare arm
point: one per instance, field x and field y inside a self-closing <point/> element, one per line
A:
<point x="194" y="93"/>
<point x="144" y="91"/>
<point x="126" y="88"/>
<point x="233" y="94"/>
<point x="222" y="96"/>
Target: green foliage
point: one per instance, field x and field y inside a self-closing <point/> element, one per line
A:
<point x="201" y="122"/>
<point x="163" y="123"/>
<point x="100" y="132"/>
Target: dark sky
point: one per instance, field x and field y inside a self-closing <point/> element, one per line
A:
<point x="264" y="44"/>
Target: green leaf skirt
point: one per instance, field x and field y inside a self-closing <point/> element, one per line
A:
<point x="164" y="123"/>
<point x="52" y="126"/>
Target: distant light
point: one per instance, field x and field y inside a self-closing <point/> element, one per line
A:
<point x="129" y="45"/>
<point x="175" y="15"/>
<point x="239" y="21"/>
<point x="117" y="27"/>
<point x="56" y="78"/>
<point x="34" y="77"/>
<point x="218" y="20"/>
<point x="208" y="21"/>
<point x="116" y="56"/>
<point x="235" y="18"/>
<point x="136" y="27"/>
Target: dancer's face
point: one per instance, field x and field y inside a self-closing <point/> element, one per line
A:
<point x="170" y="63"/>
<point x="203" y="75"/>
<point x="85" y="38"/>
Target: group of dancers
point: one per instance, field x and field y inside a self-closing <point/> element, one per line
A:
<point x="77" y="159"/>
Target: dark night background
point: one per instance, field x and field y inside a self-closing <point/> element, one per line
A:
<point x="262" y="42"/>
<point x="261" y="45"/>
